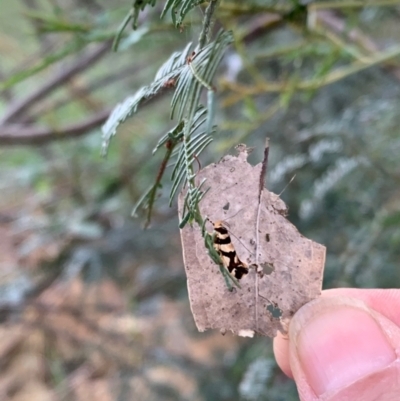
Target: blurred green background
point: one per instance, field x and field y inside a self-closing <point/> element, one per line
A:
<point x="92" y="306"/>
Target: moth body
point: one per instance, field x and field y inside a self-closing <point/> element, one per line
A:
<point x="223" y="245"/>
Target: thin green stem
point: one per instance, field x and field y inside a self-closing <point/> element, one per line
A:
<point x="121" y="29"/>
<point x="207" y="22"/>
<point x="241" y="9"/>
<point x="352" y="4"/>
<point x="307" y="84"/>
<point x="193" y="103"/>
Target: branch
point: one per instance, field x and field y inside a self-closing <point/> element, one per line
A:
<point x="21" y="106"/>
<point x="99" y="83"/>
<point x="23" y="134"/>
<point x="338" y="25"/>
<point x="18" y="134"/>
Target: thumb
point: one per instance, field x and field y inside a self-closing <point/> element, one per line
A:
<point x="340" y="349"/>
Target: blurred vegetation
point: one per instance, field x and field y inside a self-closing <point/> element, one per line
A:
<point x="91" y="306"/>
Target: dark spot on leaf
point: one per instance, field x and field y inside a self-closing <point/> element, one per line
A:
<point x="275" y="311"/>
<point x="267" y="268"/>
<point x="267" y="237"/>
<point x="226" y="207"/>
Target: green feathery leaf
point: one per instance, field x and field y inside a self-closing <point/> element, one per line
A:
<point x="205" y="64"/>
<point x="189" y="150"/>
<point x="132" y="15"/>
<point x="198" y="72"/>
<point x="179" y="8"/>
<point x="168" y="72"/>
<point x="173" y="140"/>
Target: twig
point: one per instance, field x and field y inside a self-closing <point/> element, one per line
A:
<point x="263" y="172"/>
<point x="170" y="146"/>
<point x="352" y="4"/>
<point x="339" y="25"/>
<point x="18" y="134"/>
<point x="91" y="87"/>
<point x="314" y="83"/>
<point x="81" y="63"/>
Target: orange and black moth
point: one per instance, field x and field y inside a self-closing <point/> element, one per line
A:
<point x="223" y="245"/>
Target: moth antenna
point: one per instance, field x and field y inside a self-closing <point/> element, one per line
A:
<point x="230" y="232"/>
<point x="284" y="189"/>
<point x="214" y="222"/>
<point x="234" y="214"/>
<point x="225" y="220"/>
<point x="251" y="252"/>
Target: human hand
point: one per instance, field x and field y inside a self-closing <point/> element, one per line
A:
<point x="345" y="346"/>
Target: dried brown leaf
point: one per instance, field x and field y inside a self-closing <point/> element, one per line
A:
<point x="292" y="264"/>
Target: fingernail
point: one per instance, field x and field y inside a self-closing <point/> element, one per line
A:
<point x="339" y="344"/>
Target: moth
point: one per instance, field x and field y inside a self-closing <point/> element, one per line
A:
<point x="223" y="245"/>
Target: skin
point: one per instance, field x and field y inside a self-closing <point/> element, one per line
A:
<point x="345" y="346"/>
